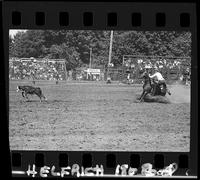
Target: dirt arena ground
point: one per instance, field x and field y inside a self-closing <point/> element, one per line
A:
<point x="95" y="116"/>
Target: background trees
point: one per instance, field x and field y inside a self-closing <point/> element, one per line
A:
<point x="74" y="45"/>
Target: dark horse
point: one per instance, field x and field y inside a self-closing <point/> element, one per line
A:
<point x="161" y="90"/>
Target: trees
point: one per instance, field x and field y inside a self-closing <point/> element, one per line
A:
<point x="11" y="47"/>
<point x="29" y="44"/>
<point x="74" y="45"/>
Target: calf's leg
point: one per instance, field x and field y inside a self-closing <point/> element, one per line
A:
<point x="26" y="95"/>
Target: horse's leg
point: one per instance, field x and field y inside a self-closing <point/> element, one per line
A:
<point x="154" y="89"/>
<point x="141" y="95"/>
<point x="145" y="95"/>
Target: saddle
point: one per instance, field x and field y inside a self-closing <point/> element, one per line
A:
<point x="156" y="86"/>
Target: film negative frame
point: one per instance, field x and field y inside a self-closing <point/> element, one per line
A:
<point x="24" y="17"/>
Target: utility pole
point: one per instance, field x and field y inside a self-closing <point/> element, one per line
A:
<point x="110" y="55"/>
<point x="110" y="50"/>
<point x="90" y="66"/>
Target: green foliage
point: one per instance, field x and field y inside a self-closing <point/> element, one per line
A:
<point x="74" y="45"/>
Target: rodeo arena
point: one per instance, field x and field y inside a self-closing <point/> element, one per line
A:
<point x="98" y="108"/>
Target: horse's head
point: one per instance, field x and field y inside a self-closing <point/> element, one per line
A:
<point x="144" y="75"/>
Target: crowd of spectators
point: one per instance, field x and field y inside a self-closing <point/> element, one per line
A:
<point x="35" y="70"/>
<point x="32" y="69"/>
<point x="168" y="67"/>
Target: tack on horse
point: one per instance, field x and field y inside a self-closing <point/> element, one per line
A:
<point x="161" y="90"/>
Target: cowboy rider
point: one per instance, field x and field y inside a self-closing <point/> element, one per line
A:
<point x="157" y="79"/>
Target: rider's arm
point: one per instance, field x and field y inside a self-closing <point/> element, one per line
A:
<point x="154" y="75"/>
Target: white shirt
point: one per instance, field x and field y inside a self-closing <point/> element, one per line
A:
<point x="158" y="76"/>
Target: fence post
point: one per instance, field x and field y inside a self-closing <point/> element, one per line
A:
<point x="65" y="69"/>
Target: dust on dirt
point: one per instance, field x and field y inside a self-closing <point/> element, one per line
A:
<point x="180" y="93"/>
